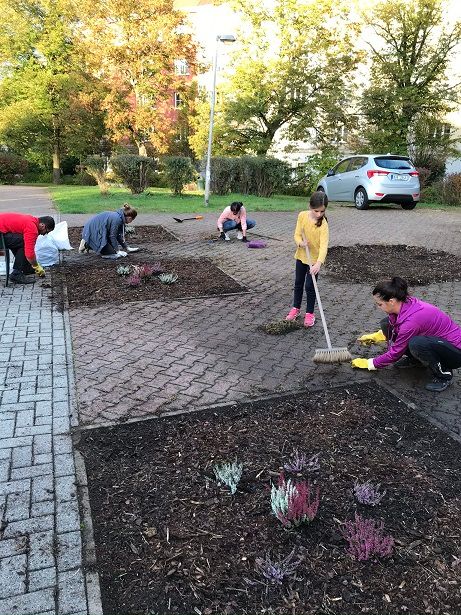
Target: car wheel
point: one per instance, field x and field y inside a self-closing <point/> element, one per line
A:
<point x="361" y="199"/>
<point x="408" y="205"/>
<point x="320" y="189"/>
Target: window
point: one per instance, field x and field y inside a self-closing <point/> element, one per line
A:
<point x="181" y="67"/>
<point x="357" y="163"/>
<point x="177" y="100"/>
<point x="342" y="166"/>
<point x="393" y="162"/>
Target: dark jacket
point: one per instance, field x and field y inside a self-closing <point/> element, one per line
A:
<point x="108" y="227"/>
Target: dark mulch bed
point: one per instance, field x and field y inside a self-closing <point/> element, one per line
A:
<point x="372" y="263"/>
<point x="169" y="539"/>
<point x="142" y="234"/>
<point x="93" y="281"/>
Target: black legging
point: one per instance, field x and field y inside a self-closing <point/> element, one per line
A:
<point x="433" y="352"/>
<point x="303" y="279"/>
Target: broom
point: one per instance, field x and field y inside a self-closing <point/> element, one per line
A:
<point x="330" y="354"/>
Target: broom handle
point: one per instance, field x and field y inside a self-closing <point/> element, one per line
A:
<point x="317" y="294"/>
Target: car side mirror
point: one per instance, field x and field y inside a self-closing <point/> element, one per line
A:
<point x="330" y="173"/>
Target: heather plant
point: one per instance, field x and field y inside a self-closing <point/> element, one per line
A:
<point x="229" y="474"/>
<point x="122" y="270"/>
<point x="275" y="572"/>
<point x="298" y="462"/>
<point x="157" y="268"/>
<point x="134" y="280"/>
<point x="144" y="271"/>
<point x="366" y="538"/>
<point x="294" y="503"/>
<point x="168" y="278"/>
<point x="367" y="493"/>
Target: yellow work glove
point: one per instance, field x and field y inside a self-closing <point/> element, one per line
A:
<point x="39" y="270"/>
<point x="360" y="363"/>
<point x="372" y="338"/>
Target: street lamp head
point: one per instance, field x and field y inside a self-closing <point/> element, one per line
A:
<point x="226" y="38"/>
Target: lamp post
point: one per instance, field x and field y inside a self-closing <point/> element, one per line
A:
<point x="223" y="38"/>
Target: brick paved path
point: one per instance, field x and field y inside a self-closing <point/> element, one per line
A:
<point x="40" y="533"/>
<point x="182" y="354"/>
<point x="176" y="355"/>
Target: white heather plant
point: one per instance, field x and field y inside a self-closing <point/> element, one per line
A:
<point x="168" y="278"/>
<point x="122" y="270"/>
<point x="229" y="474"/>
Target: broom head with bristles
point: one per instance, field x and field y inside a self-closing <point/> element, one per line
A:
<point x="332" y="355"/>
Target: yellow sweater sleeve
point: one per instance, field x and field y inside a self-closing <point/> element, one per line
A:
<point x="324" y="239"/>
<point x="298" y="236"/>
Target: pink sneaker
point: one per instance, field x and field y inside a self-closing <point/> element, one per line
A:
<point x="292" y="314"/>
<point x="309" y="320"/>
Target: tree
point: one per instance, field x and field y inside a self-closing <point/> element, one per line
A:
<point x="410" y="90"/>
<point x="47" y="102"/>
<point x="292" y="74"/>
<point x="132" y="47"/>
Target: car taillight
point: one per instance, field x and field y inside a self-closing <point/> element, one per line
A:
<point x="374" y="172"/>
<point x="414" y="173"/>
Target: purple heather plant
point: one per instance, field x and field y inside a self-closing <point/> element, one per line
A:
<point x="293" y="503"/>
<point x="157" y="268"/>
<point x="134" y="280"/>
<point x="276" y="571"/>
<point x="366" y="538"/>
<point x="367" y="493"/>
<point x="298" y="462"/>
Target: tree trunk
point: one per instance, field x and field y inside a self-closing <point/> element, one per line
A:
<point x="142" y="150"/>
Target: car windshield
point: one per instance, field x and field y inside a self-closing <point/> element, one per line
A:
<point x="393" y="162"/>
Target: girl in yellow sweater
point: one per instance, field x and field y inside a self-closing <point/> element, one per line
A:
<point x="313" y="226"/>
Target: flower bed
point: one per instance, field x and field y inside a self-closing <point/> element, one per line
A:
<point x="372" y="263"/>
<point x="93" y="281"/>
<point x="171" y="537"/>
<point x="135" y="235"/>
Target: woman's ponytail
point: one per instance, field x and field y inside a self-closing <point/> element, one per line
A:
<point x="396" y="288"/>
<point x="129" y="212"/>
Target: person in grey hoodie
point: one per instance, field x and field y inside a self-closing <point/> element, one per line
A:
<point x="106" y="231"/>
<point x="417" y="334"/>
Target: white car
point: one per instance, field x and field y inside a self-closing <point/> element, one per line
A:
<point x="373" y="178"/>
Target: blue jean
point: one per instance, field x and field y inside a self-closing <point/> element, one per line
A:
<point x="230" y="225"/>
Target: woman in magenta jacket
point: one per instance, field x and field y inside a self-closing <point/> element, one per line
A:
<point x="417" y="333"/>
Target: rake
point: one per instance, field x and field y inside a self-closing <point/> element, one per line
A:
<point x="330" y="354"/>
<point x="182" y="220"/>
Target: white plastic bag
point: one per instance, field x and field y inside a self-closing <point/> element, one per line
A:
<point x="46" y="251"/>
<point x="47" y="246"/>
<point x="60" y="236"/>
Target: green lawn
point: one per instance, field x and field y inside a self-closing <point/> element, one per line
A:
<point x="88" y="200"/>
